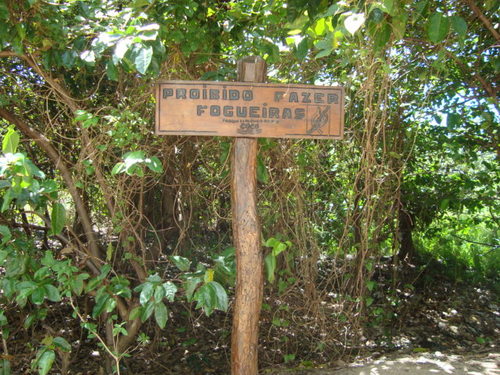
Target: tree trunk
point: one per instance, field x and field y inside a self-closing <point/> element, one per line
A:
<point x="406" y="224"/>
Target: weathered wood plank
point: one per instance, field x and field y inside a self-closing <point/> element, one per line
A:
<point x="246" y="233"/>
<point x="243" y="109"/>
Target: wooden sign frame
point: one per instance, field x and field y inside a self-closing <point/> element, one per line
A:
<point x="254" y="110"/>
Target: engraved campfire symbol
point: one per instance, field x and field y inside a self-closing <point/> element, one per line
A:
<point x="319" y="120"/>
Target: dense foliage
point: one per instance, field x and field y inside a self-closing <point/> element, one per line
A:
<point x="99" y="214"/>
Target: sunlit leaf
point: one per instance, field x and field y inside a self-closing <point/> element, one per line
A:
<point x="320" y="27"/>
<point x="170" y="290"/>
<point x="10" y="141"/>
<point x="353" y="22"/>
<point x="121" y="49"/>
<point x="88" y="56"/>
<point x="181" y="263"/>
<point x="146" y="293"/>
<point x="143" y="59"/>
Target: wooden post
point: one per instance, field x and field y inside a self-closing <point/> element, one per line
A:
<point x="246" y="234"/>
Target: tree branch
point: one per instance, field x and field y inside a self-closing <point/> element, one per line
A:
<point x="472" y="4"/>
<point x="59" y="163"/>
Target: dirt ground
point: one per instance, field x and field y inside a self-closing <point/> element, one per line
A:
<point x="428" y="363"/>
<point x="416" y="364"/>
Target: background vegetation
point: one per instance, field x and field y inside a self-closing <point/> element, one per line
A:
<point x="118" y="241"/>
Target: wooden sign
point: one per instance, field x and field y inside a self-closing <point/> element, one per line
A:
<point x="239" y="109"/>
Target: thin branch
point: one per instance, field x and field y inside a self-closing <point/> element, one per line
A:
<point x="494" y="246"/>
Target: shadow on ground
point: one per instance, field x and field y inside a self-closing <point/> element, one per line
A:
<point x="415" y="364"/>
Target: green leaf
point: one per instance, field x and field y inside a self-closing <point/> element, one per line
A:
<point x="376" y="15"/>
<point x="459" y="25"/>
<point x="190" y="286"/>
<point x="370" y="285"/>
<point x="62" y="344"/>
<point x="5" y="367"/>
<point x="143" y="59"/>
<point x="221" y="294"/>
<point x="147" y="311"/>
<point x="279" y="248"/>
<point x="209" y="275"/>
<point x="453" y="120"/>
<point x="68" y="59"/>
<point x="111" y="71"/>
<point x="320" y="27"/>
<point x="154" y="164"/>
<point x="133" y="157"/>
<point x="324" y="53"/>
<point x="420" y="7"/>
<point x="110" y="305"/>
<point x="45" y="362"/>
<point x="382" y="36"/>
<point x="38" y="296"/>
<point x="438" y="26"/>
<point x="399" y="25"/>
<point x="30" y="319"/>
<point x="270" y="265"/>
<point x="57" y="219"/>
<point x="118" y="168"/>
<point x="109" y="251"/>
<point x="3" y="319"/>
<point x="10" y="141"/>
<point x="135" y="313"/>
<point x="48" y="259"/>
<point x="77" y="283"/>
<point x="155" y="278"/>
<point x="159" y="293"/>
<point x="100" y="305"/>
<point x="52" y="293"/>
<point x="146" y="293"/>
<point x="332" y="10"/>
<point x="181" y="263"/>
<point x="271" y="242"/>
<point x="170" y="290"/>
<point x="5" y="233"/>
<point x="302" y="49"/>
<point x="387" y="6"/>
<point x="211" y="296"/>
<point x="161" y="314"/>
<point x="4" y="11"/>
<point x="262" y="174"/>
<point x="445" y="203"/>
<point x="205" y="296"/>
